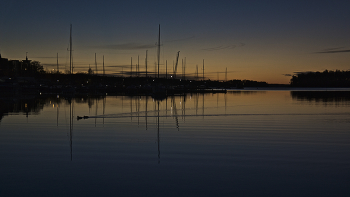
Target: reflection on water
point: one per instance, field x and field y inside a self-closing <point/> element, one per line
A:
<point x="321" y="96"/>
<point x="33" y="105"/>
<point x="245" y="143"/>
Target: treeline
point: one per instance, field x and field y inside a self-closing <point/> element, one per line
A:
<point x="322" y="79"/>
<point x="27" y="73"/>
<point x="23" y="68"/>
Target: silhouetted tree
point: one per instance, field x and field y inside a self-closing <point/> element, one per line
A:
<point x="37" y="67"/>
<point x="90" y="71"/>
<point x="322" y="79"/>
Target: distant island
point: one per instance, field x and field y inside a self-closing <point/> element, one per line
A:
<point x="321" y="79"/>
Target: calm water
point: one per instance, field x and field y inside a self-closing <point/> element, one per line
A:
<point x="243" y="143"/>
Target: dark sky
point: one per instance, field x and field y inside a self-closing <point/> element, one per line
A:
<point x="257" y="40"/>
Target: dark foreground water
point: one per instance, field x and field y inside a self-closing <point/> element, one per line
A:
<point x="243" y="143"/>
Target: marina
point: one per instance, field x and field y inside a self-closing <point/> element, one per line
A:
<point x="174" y="98"/>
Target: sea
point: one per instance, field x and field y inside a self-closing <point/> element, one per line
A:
<point x="245" y="142"/>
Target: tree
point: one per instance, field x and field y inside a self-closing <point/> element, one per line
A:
<point x="90" y="71"/>
<point x="36" y="67"/>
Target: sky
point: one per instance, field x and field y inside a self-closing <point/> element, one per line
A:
<point x="254" y="40"/>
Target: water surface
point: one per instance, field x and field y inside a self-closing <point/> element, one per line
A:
<point x="246" y="143"/>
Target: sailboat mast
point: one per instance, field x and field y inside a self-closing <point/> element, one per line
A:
<point x="203" y="69"/>
<point x="131" y="67"/>
<point x="146" y="63"/>
<point x="72" y="65"/>
<point x="182" y="66"/>
<point x="103" y="64"/>
<point x="158" y="49"/>
<point x="95" y="64"/>
<point x="70" y="50"/>
<point x="57" y="65"/>
<point x="185" y="69"/>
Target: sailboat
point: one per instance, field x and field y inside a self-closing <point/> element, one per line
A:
<point x="69" y="90"/>
<point x="159" y="91"/>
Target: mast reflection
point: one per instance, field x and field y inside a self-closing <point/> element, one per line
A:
<point x="175" y="113"/>
<point x="71" y="115"/>
<point x="146" y="111"/>
<point x="158" y="139"/>
<point x="135" y="104"/>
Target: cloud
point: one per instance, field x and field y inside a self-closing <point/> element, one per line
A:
<point x="44" y="64"/>
<point x="181" y="39"/>
<point x="43" y="57"/>
<point x="335" y="50"/>
<point x="119" y="66"/>
<point x="221" y="72"/>
<point x="126" y="46"/>
<point x="222" y="47"/>
<point x="303" y="72"/>
<point x="287" y="75"/>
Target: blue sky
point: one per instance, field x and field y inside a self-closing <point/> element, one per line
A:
<point x="257" y="40"/>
